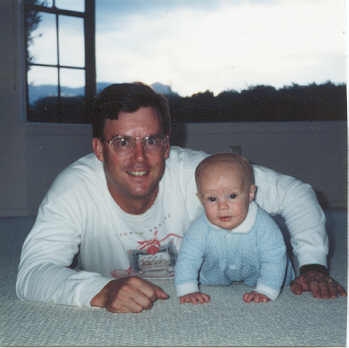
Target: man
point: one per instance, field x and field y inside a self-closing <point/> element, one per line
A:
<point x="123" y="211"/>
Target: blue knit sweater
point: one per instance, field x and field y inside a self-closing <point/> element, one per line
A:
<point x="254" y="253"/>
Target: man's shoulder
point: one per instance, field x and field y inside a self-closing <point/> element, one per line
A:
<point x="266" y="176"/>
<point x="185" y="157"/>
<point x="87" y="164"/>
<point x="85" y="170"/>
<point x="262" y="173"/>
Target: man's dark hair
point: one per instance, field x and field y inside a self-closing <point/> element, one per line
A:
<point x="128" y="97"/>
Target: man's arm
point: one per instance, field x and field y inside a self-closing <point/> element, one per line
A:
<point x="44" y="271"/>
<point x="296" y="202"/>
<point x="45" y="274"/>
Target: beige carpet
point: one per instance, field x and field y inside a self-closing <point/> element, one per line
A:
<point x="226" y="321"/>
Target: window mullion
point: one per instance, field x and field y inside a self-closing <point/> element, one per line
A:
<point x="90" y="56"/>
<point x="59" y="111"/>
<point x="58" y="56"/>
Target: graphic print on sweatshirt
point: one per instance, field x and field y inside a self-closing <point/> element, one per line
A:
<point x="153" y="258"/>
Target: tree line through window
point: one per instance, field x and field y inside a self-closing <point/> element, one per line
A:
<point x="51" y="67"/>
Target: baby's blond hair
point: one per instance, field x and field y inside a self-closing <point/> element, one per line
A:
<point x="230" y="158"/>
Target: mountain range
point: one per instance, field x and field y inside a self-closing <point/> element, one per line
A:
<point x="40" y="91"/>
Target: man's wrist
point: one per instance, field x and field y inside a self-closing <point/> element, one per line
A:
<point x="315" y="268"/>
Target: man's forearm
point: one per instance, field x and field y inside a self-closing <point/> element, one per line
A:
<point x="58" y="284"/>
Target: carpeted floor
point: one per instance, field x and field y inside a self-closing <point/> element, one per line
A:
<point x="226" y="321"/>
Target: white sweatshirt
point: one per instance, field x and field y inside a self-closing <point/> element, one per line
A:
<point x="78" y="215"/>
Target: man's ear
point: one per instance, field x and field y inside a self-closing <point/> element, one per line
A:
<point x="167" y="147"/>
<point x="97" y="147"/>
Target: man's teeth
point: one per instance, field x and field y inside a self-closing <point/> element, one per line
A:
<point x="138" y="173"/>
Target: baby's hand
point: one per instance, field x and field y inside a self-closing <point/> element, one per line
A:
<point x="195" y="298"/>
<point x="255" y="296"/>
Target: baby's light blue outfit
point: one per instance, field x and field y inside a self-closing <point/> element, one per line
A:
<point x="254" y="252"/>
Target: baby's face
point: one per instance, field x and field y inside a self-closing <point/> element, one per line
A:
<point x="225" y="195"/>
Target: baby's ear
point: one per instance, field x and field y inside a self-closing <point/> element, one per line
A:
<point x="252" y="193"/>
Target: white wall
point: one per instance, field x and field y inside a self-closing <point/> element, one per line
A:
<point x="31" y="155"/>
<point x="12" y="164"/>
<point x="315" y="152"/>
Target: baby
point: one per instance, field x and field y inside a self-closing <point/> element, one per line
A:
<point x="235" y="240"/>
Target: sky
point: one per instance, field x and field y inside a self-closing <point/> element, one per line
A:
<point x="216" y="45"/>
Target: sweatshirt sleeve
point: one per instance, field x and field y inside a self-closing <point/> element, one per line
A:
<point x="296" y="202"/>
<point x="44" y="271"/>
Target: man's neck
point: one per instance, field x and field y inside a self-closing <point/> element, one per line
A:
<point x="136" y="206"/>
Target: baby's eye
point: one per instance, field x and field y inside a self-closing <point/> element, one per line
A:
<point x="211" y="199"/>
<point x="232" y="195"/>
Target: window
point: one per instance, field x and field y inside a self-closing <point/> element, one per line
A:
<point x="60" y="63"/>
<point x="228" y="60"/>
<point x="217" y="61"/>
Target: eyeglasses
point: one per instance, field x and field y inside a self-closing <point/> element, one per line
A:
<point x="125" y="144"/>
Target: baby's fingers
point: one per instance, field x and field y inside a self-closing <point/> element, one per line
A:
<point x="195" y="298"/>
<point x="204" y="298"/>
<point x="256" y="297"/>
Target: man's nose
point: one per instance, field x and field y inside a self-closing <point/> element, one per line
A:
<point x="139" y="150"/>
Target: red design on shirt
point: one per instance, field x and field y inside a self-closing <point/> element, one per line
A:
<point x="152" y="246"/>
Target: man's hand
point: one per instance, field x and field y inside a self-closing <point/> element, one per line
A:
<point x="195" y="298"/>
<point x="255" y="296"/>
<point x="320" y="284"/>
<point x="128" y="295"/>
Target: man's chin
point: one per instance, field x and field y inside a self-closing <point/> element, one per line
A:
<point x="143" y="193"/>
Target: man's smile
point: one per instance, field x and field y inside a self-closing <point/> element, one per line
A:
<point x="138" y="173"/>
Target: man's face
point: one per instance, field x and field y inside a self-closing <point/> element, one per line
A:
<point x="225" y="195"/>
<point x="133" y="178"/>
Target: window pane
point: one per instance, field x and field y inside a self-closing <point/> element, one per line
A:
<point x="194" y="46"/>
<point x="76" y="5"/>
<point x="43" y="91"/>
<point x="42" y="83"/>
<point x="72" y="82"/>
<point x="71" y="40"/>
<point x="73" y="91"/>
<point x="42" y="47"/>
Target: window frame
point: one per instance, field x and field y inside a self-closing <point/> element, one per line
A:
<point x="89" y="67"/>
